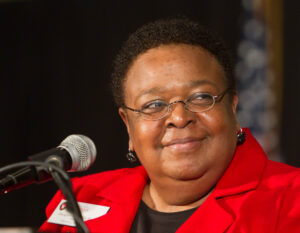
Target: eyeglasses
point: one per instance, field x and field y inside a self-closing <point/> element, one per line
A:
<point x="198" y="102"/>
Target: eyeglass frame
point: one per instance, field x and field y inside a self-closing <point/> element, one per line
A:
<point x="216" y="99"/>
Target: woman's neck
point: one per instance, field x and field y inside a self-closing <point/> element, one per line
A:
<point x="176" y="198"/>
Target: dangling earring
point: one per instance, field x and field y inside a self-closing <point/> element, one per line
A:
<point x="131" y="156"/>
<point x="241" y="137"/>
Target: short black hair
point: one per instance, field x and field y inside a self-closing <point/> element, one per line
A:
<point x="164" y="32"/>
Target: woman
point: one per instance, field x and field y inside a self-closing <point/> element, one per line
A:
<point x="174" y="85"/>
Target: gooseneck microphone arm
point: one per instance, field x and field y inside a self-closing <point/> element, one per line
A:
<point x="65" y="186"/>
<point x="63" y="181"/>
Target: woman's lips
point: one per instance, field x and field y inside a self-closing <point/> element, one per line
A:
<point x="183" y="145"/>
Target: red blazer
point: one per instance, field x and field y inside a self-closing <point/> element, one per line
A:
<point x="254" y="195"/>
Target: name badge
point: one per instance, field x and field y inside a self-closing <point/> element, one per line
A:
<point x="89" y="211"/>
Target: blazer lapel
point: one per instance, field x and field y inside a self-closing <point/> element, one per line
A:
<point x="124" y="203"/>
<point x="209" y="217"/>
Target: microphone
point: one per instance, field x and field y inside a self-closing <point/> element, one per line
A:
<point x="75" y="153"/>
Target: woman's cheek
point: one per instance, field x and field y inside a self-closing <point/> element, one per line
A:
<point x="147" y="133"/>
<point x="217" y="119"/>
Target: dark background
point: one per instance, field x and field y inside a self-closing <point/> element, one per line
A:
<point x="56" y="60"/>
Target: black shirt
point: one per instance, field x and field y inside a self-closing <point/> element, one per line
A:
<point x="150" y="221"/>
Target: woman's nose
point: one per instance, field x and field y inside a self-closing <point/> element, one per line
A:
<point x="179" y="116"/>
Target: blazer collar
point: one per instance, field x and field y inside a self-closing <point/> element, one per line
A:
<point x="245" y="170"/>
<point x="130" y="186"/>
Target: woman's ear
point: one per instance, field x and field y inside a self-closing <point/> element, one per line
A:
<point x="235" y="100"/>
<point x="130" y="145"/>
<point x="124" y="117"/>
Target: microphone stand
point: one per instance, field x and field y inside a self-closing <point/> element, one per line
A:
<point x="63" y="181"/>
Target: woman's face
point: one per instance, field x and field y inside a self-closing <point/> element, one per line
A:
<point x="183" y="145"/>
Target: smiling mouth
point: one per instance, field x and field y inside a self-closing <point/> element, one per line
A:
<point x="184" y="145"/>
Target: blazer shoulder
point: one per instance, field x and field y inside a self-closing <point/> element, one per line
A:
<point x="281" y="173"/>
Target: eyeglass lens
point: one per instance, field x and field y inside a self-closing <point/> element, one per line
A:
<point x="198" y="102"/>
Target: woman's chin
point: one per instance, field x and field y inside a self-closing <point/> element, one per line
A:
<point x="185" y="173"/>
